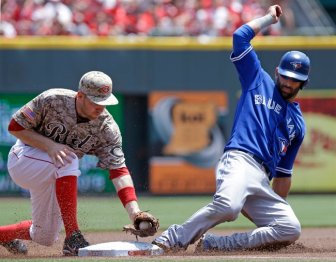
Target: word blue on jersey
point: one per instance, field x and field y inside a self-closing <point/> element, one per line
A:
<point x="265" y="124"/>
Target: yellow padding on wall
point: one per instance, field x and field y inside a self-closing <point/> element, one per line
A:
<point x="163" y="43"/>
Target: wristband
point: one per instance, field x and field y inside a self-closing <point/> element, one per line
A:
<point x="264" y="21"/>
<point x="126" y="195"/>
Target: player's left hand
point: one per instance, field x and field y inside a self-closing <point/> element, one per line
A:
<point x="143" y="216"/>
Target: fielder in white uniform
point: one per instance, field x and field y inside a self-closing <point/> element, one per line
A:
<point x="267" y="132"/>
<point x="54" y="130"/>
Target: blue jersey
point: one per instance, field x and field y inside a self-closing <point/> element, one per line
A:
<point x="265" y="124"/>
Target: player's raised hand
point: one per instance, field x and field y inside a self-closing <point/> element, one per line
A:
<point x="61" y="154"/>
<point x="275" y="11"/>
<point x="272" y="16"/>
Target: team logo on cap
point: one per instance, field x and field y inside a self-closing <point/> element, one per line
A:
<point x="296" y="65"/>
<point x="104" y="89"/>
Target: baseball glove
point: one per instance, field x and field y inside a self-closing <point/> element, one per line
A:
<point x="139" y="217"/>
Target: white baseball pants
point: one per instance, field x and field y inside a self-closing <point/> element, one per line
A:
<point x="32" y="169"/>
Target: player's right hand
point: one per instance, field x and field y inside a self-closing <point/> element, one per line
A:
<point x="61" y="154"/>
<point x="275" y="11"/>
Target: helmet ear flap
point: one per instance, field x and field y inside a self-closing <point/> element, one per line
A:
<point x="304" y="84"/>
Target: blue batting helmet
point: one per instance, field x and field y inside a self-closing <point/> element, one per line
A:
<point x="295" y="64"/>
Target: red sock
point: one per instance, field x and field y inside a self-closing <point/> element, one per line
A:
<point x="19" y="230"/>
<point x="66" y="193"/>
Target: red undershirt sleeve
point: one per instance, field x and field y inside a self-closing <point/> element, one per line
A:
<point x="14" y="126"/>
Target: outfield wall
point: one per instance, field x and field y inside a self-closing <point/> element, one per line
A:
<point x="141" y="66"/>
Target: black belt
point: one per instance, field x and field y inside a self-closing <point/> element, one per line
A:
<point x="261" y="162"/>
<point x="258" y="160"/>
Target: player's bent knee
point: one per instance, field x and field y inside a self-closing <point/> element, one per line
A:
<point x="43" y="236"/>
<point x="45" y="239"/>
<point x="295" y="231"/>
<point x="290" y="232"/>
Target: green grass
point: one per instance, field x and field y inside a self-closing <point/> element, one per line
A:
<point x="107" y="213"/>
<point x="315" y="210"/>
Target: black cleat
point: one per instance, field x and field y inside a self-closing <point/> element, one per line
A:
<point x="73" y="243"/>
<point x="16" y="247"/>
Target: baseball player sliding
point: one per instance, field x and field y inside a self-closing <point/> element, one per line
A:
<point x="54" y="130"/>
<point x="267" y="132"/>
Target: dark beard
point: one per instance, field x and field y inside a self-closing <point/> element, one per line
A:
<point x="284" y="95"/>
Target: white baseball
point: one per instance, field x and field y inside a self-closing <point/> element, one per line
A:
<point x="144" y="225"/>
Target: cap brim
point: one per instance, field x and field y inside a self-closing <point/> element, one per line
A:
<point x="109" y="101"/>
<point x="291" y="74"/>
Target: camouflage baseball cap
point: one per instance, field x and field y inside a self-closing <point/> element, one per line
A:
<point x="98" y="88"/>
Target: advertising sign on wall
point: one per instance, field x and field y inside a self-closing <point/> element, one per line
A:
<point x="92" y="179"/>
<point x="186" y="140"/>
<point x="8" y="105"/>
<point x="314" y="169"/>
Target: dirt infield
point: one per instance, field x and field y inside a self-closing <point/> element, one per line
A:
<point x="314" y="243"/>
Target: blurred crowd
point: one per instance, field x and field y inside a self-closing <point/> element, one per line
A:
<point x="128" y="17"/>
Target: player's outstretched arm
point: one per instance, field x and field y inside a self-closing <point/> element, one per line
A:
<point x="123" y="183"/>
<point x="272" y="17"/>
<point x="143" y="224"/>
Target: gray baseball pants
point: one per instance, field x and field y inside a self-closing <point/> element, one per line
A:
<point x="241" y="184"/>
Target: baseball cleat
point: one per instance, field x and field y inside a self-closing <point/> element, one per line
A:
<point x="16" y="247"/>
<point x="206" y="243"/>
<point x="165" y="245"/>
<point x="162" y="244"/>
<point x="199" y="246"/>
<point x="73" y="243"/>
